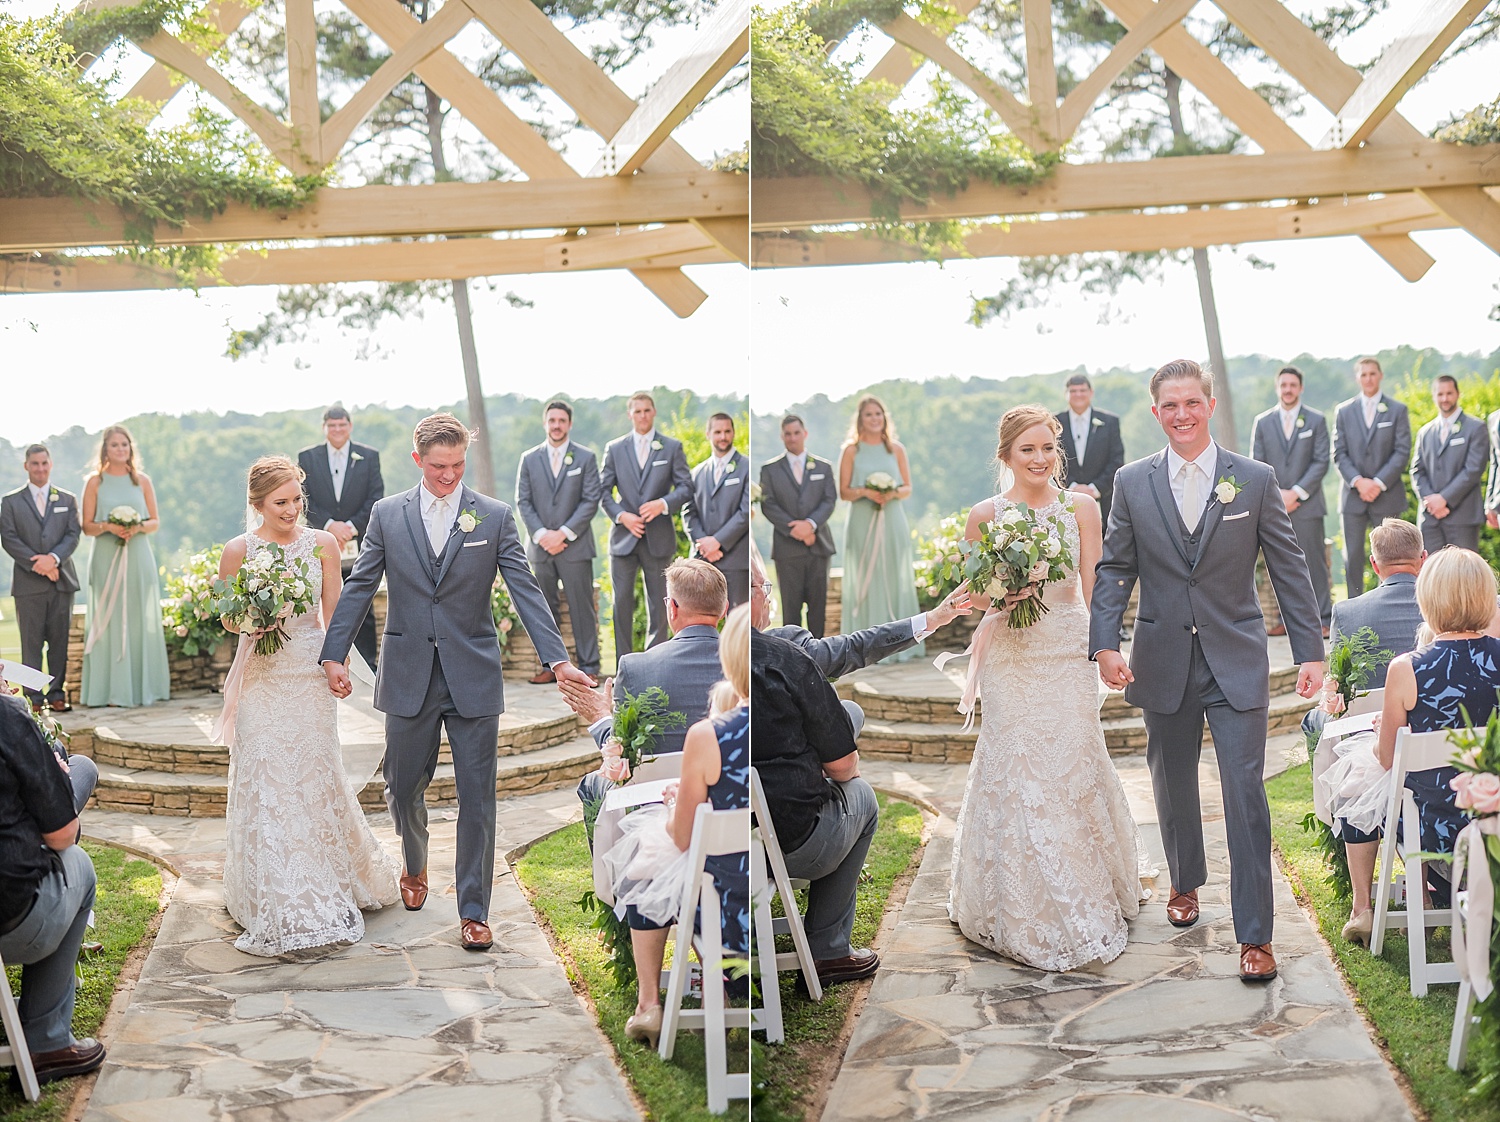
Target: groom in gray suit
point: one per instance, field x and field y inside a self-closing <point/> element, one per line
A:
<point x="439" y="546"/>
<point x="1187" y="524"/>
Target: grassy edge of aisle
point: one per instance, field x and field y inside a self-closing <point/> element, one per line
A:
<point x="1412" y="1031"/>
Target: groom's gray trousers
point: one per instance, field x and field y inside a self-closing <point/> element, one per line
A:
<point x="411" y="761"/>
<point x="1174" y="742"/>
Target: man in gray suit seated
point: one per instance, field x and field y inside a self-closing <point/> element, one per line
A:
<point x="686" y="666"/>
<point x="1447" y="472"/>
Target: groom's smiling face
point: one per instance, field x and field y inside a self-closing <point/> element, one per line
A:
<point x="442" y="467"/>
<point x="1183" y="410"/>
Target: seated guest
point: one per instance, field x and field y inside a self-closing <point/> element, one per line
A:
<point x="686" y="666"/>
<point x="46" y="889"/>
<point x="716" y="770"/>
<point x="824" y="813"/>
<point x="1438" y="686"/>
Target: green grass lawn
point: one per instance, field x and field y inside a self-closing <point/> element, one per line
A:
<point x="1414" y="1030"/>
<point x="126" y="901"/>
<point x="787" y="1074"/>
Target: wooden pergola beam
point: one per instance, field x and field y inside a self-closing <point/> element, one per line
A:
<point x="1121" y="233"/>
<point x="157" y="85"/>
<point x="1165" y="15"/>
<point x="392" y="262"/>
<point x="28" y="225"/>
<point x="1402" y="65"/>
<point x="302" y="80"/>
<point x="1041" y="70"/>
<point x="1185" y="181"/>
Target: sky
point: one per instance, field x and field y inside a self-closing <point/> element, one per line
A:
<point x="93" y="358"/>
<point x="835" y="330"/>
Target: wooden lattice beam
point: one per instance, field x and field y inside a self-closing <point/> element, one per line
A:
<point x="159" y="85"/>
<point x="1041" y="70"/>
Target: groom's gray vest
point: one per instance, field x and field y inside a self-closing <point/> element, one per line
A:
<point x="1200" y="582"/>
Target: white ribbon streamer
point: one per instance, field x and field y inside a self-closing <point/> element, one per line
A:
<point x="113" y="594"/>
<point x="1471" y="947"/>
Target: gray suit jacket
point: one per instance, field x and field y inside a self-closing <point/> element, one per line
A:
<point x="1375" y="453"/>
<point x="1492" y="489"/>
<point x="1455" y="469"/>
<point x="1103" y="454"/>
<point x="722" y="512"/>
<point x="686" y="666"/>
<point x="23" y="533"/>
<point x="447" y="612"/>
<point x="1216" y="595"/>
<point x="1301" y="461"/>
<point x="784" y="501"/>
<point x="570" y="499"/>
<point x="1390" y="610"/>
<point x="666" y="477"/>
<point x="837" y="655"/>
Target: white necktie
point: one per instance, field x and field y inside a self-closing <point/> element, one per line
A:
<point x="557" y="455"/>
<point x="642" y="450"/>
<point x="1287" y="421"/>
<point x="1370" y="404"/>
<point x="1192" y="505"/>
<point x="718" y="472"/>
<point x="1445" y="427"/>
<point x="797" y="470"/>
<point x="437" y="525"/>
<point x="41" y="503"/>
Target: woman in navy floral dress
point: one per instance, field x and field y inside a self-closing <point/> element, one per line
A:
<point x="1448" y="684"/>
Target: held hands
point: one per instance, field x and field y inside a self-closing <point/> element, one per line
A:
<point x="709" y="549"/>
<point x="338" y="679"/>
<point x="652" y="509"/>
<point x="632" y="522"/>
<point x="343" y="532"/>
<point x="552" y="541"/>
<point x="1436" y="505"/>
<point x="1114" y="672"/>
<point x="590" y="704"/>
<point x="1367" y="489"/>
<point x="802" y="530"/>
<point x="44" y="565"/>
<point x="1309" y="678"/>
<point x="567" y="672"/>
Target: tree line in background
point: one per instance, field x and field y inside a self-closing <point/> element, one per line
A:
<point x="197" y="461"/>
<point x="948" y="424"/>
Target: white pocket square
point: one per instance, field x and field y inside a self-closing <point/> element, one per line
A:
<point x="1304" y="436"/>
<point x="1384" y="424"/>
<point x="1232" y="517"/>
<point x="1451" y="443"/>
<point x="731" y="481"/>
<point x="657" y="463"/>
<point x="64" y="510"/>
<point x="576" y="471"/>
<point x="820" y="475"/>
<point x="471" y="545"/>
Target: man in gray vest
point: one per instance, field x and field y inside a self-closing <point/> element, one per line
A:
<point x="557" y="495"/>
<point x="798" y="494"/>
<point x="1187" y="524"/>
<point x="716" y="518"/>
<point x="1293" y="439"/>
<point x="439" y="546"/>
<point x="1371" y="440"/>
<point x="1447" y="472"/>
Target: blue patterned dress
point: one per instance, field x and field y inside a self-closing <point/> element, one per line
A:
<point x="731" y="873"/>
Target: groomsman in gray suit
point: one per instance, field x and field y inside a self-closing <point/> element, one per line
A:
<point x="39" y="528"/>
<point x="717" y="516"/>
<point x="1187" y="524"/>
<point x="1293" y="439"/>
<point x="798" y="494"/>
<point x="1492" y="488"/>
<point x="644" y="480"/>
<point x="1447" y="472"/>
<point x="557" y="493"/>
<point x="1371" y="441"/>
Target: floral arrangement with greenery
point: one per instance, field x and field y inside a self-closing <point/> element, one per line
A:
<point x="940" y="561"/>
<point x="187" y="615"/>
<point x="503" y="611"/>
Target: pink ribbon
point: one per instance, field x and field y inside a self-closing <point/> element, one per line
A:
<point x="223" y="732"/>
<point x="979" y="646"/>
<point x="1471" y="947"/>
<point x="113" y="594"/>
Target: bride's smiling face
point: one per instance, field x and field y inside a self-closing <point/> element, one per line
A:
<point x="1033" y="456"/>
<point x="282" y="507"/>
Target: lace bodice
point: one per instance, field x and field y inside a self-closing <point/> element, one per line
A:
<point x="1066" y="589"/>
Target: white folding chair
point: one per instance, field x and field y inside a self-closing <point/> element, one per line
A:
<point x="14" y="1052"/>
<point x="1415" y="751"/>
<point x="716" y="833"/>
<point x="1463" y="1015"/>
<point x="782" y="884"/>
<point x="1324" y="754"/>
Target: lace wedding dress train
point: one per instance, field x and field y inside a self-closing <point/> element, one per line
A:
<point x="300" y="861"/>
<point x="1047" y="860"/>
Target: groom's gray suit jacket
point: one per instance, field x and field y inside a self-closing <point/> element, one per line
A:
<point x="440" y="607"/>
<point x="1209" y="592"/>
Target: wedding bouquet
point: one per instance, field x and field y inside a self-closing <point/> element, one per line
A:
<point x="1017" y="549"/>
<point x="882" y="482"/>
<point x="1352" y="663"/>
<point x="266" y="592"/>
<point x="126" y="516"/>
<point x="639" y="725"/>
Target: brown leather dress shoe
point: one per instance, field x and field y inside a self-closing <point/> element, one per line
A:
<point x="543" y="678"/>
<point x="78" y="1058"/>
<point x="476" y="935"/>
<point x="1279" y="629"/>
<point x="856" y="964"/>
<point x="1182" y="908"/>
<point x="1257" y="963"/>
<point x="414" y="891"/>
<point x="60" y="705"/>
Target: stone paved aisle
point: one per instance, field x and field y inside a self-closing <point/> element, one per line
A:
<point x="403" y="1026"/>
<point x="1165" y="1033"/>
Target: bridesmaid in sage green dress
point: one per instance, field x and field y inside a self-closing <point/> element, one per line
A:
<point x="125" y="654"/>
<point x="879" y="583"/>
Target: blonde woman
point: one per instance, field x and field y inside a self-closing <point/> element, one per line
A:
<point x="125" y="652"/>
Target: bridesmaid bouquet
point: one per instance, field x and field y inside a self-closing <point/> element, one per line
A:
<point x="882" y="482"/>
<point x="266" y="592"/>
<point x="126" y="516"/>
<point x="1018" y="549"/>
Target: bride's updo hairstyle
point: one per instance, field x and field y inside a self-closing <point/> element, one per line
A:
<point x="1015" y="422"/>
<point x="267" y="476"/>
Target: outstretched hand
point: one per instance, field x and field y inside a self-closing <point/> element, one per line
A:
<point x="1114" y="671"/>
<point x="338" y="679"/>
<point x="567" y="672"/>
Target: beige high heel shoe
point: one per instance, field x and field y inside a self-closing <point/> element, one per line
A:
<point x="645" y="1027"/>
<point x="1358" y="929"/>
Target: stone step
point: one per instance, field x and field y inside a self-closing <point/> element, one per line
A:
<point x="201" y="795"/>
<point x="934" y="742"/>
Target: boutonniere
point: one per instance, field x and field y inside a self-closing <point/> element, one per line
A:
<point x="468" y="521"/>
<point x="1098" y="424"/>
<point x="1300" y="421"/>
<point x="355" y="457"/>
<point x="53" y="496"/>
<point x="1382" y="408"/>
<point x="1227" y="489"/>
<point x="656" y="444"/>
<point x="568" y="459"/>
<point x="730" y="467"/>
<point x="1454" y="431"/>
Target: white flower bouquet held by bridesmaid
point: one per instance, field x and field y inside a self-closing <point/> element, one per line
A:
<point x="267" y="590"/>
<point x="883" y="482"/>
<point x="126" y="516"/>
<point x="1020" y="549"/>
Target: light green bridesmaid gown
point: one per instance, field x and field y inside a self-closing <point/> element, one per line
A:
<point x="126" y="664"/>
<point x="879" y="583"/>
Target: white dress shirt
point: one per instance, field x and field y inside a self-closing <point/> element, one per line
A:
<point x="643" y="447"/>
<point x="1081" y="424"/>
<point x="338" y="467"/>
<point x="721" y="465"/>
<point x="437" y="534"/>
<point x="799" y="473"/>
<point x="556" y="453"/>
<point x="39" y="497"/>
<point x="1288" y="427"/>
<point x="1371" y="403"/>
<point x="1206" y="463"/>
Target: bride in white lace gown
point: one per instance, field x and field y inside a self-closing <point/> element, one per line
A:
<point x="300" y="860"/>
<point x="1046" y="858"/>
